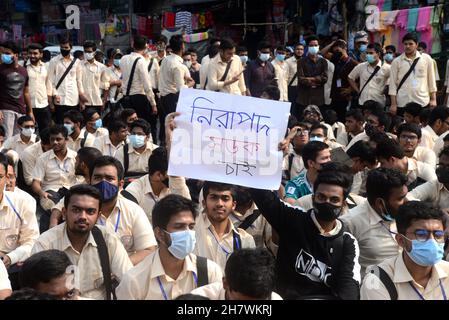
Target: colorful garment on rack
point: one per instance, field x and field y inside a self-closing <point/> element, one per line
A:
<point x="412" y="19"/>
<point x="196" y="37"/>
<point x="184" y="20"/>
<point x="169" y="20"/>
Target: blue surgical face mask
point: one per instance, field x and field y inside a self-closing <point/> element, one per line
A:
<point x="427" y="253"/>
<point x="370" y="58"/>
<point x="182" y="243"/>
<point x="7" y="58"/>
<point x="363" y="47"/>
<point x="244" y="59"/>
<point x="69" y="128"/>
<point x="98" y="124"/>
<point x="137" y="141"/>
<point x="108" y="190"/>
<point x="280" y="57"/>
<point x="389" y="57"/>
<point x="386" y="215"/>
<point x="264" y="57"/>
<point x="117" y="63"/>
<point x="313" y="50"/>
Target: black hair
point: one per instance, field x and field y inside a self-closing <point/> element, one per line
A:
<point x="218" y="186"/>
<point x="75" y="116"/>
<point x="381" y="181"/>
<point x="141" y="123"/>
<point x="89" y="113"/>
<point x="158" y="161"/>
<point x="242" y="49"/>
<point x="43" y="267"/>
<point x="83" y="190"/>
<point x="192" y="50"/>
<point x="162" y="38"/>
<point x="438" y="113"/>
<point x="339" y="44"/>
<point x="11" y="45"/>
<point x="140" y="42"/>
<point x="446" y="138"/>
<point x="59" y="129"/>
<point x="35" y="46"/>
<point x="104" y="161"/>
<point x="127" y="112"/>
<point x="90" y="44"/>
<point x="78" y="54"/>
<point x="281" y="48"/>
<point x="410" y="127"/>
<point x="46" y="56"/>
<point x="424" y="115"/>
<point x="377" y="47"/>
<point x="311" y="38"/>
<point x="264" y="45"/>
<point x="417" y="210"/>
<point x="382" y="117"/>
<point x="334" y="173"/>
<point x="227" y="44"/>
<point x="311" y="151"/>
<point x="391" y="47"/>
<point x="389" y="148"/>
<point x="422" y="45"/>
<point x="413" y="108"/>
<point x="170" y="206"/>
<point x="330" y="116"/>
<point x="29" y="294"/>
<point x="363" y="150"/>
<point x="116" y="125"/>
<point x="24" y="119"/>
<point x="356" y="114"/>
<point x="88" y="155"/>
<point x="372" y="105"/>
<point x="444" y="152"/>
<point x="190" y="296"/>
<point x="410" y="36"/>
<point x="4" y="161"/>
<point x="109" y="53"/>
<point x="319" y="126"/>
<point x="251" y="272"/>
<point x="176" y="43"/>
<point x="273" y="92"/>
<point x="44" y="134"/>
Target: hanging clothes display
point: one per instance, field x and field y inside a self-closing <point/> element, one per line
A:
<point x="184" y="20"/>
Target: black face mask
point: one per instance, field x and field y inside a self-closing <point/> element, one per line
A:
<point x="370" y="130"/>
<point x="65" y="52"/>
<point x="326" y="211"/>
<point x="443" y="175"/>
<point x="336" y="56"/>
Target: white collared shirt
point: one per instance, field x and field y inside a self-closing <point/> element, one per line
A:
<point x="38" y="85"/>
<point x="94" y="80"/>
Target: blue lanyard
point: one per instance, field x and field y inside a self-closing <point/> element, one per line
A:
<point x="162" y="287"/>
<point x="116" y="222"/>
<point x="420" y="295"/>
<point x="13" y="208"/>
<point x="227" y="253"/>
<point x="64" y="166"/>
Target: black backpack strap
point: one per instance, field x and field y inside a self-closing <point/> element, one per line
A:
<point x="412" y="67"/>
<point x="104" y="261"/>
<point x="131" y="76"/>
<point x="129" y="196"/>
<point x="83" y="142"/>
<point x="66" y="72"/>
<point x="237" y="241"/>
<point x="126" y="157"/>
<point x="386" y="280"/>
<point x="201" y="267"/>
<point x="293" y="79"/>
<point x="225" y="75"/>
<point x="369" y="79"/>
<point x="249" y="220"/>
<point x="150" y="65"/>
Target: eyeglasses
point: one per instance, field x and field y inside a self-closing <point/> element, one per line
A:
<point x="302" y="132"/>
<point x="406" y="137"/>
<point x="423" y="235"/>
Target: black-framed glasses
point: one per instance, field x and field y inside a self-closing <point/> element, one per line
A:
<point x="423" y="235"/>
<point x="408" y="137"/>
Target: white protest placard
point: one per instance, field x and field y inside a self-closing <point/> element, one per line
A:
<point x="229" y="138"/>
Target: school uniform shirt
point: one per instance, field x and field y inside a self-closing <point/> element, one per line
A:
<point x="143" y="192"/>
<point x="216" y="71"/>
<point x="71" y="87"/>
<point x="98" y="133"/>
<point x="148" y="280"/>
<point x="154" y="72"/>
<point x="425" y="155"/>
<point x="138" y="162"/>
<point x="216" y="291"/>
<point x="428" y="137"/>
<point x="141" y="82"/>
<point x="113" y="74"/>
<point x="17" y="144"/>
<point x="375" y="236"/>
<point x="364" y="137"/>
<point x="75" y="145"/>
<point x="374" y="90"/>
<point x="129" y="222"/>
<point x="18" y="226"/>
<point x="54" y="173"/>
<point x="420" y="83"/>
<point x="94" y="81"/>
<point x="172" y="75"/>
<point x="344" y="138"/>
<point x="104" y="144"/>
<point x="417" y="169"/>
<point x="281" y="73"/>
<point x="309" y="261"/>
<point x="204" y="70"/>
<point x="337" y="129"/>
<point x="439" y="144"/>
<point x="29" y="158"/>
<point x="407" y="288"/>
<point x="433" y="192"/>
<point x="292" y="64"/>
<point x="5" y="284"/>
<point x="87" y="261"/>
<point x="218" y="250"/>
<point x="297" y="164"/>
<point x="37" y="84"/>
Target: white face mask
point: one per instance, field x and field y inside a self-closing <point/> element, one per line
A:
<point x="188" y="64"/>
<point x="28" y="132"/>
<point x="89" y="55"/>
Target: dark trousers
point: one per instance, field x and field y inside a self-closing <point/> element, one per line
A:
<point x="168" y="105"/>
<point x="141" y="105"/>
<point x="43" y="117"/>
<point x="60" y="111"/>
<point x="340" y="108"/>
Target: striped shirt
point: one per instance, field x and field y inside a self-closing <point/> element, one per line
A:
<point x="298" y="187"/>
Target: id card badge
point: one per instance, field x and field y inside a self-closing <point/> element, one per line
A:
<point x="415" y="83"/>
<point x="338" y="83"/>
